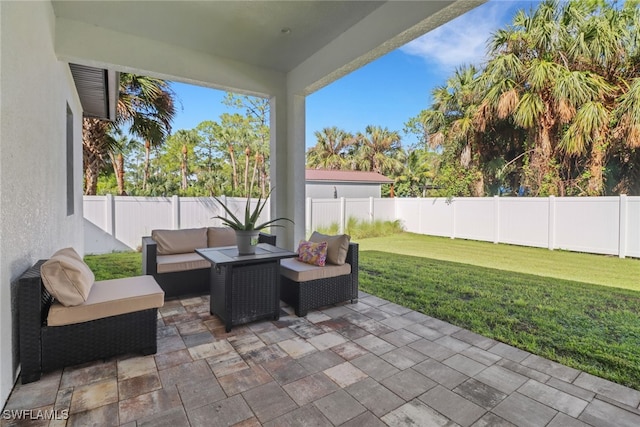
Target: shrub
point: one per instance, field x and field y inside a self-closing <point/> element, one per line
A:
<point x="361" y="229"/>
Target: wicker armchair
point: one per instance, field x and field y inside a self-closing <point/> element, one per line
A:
<point x="312" y="294"/>
<point x="46" y="348"/>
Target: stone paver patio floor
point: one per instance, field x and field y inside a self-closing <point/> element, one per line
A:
<point x="373" y="363"/>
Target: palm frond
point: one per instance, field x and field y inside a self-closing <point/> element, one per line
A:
<point x="589" y="124"/>
<point x="628" y="115"/>
<point x="529" y="110"/>
<point x="507" y="103"/>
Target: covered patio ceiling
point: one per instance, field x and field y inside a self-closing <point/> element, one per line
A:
<point x="276" y="34"/>
<point x="270" y="35"/>
<point x="281" y="50"/>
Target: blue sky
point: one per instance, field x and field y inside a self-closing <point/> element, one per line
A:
<point x="386" y="92"/>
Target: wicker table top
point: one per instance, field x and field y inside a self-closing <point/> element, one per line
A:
<point x="228" y="255"/>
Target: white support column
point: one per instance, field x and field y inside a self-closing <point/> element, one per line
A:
<point x="288" y="165"/>
<point x="175" y="212"/>
<point x="622" y="234"/>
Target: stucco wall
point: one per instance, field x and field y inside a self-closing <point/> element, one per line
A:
<point x="325" y="191"/>
<point x="35" y="89"/>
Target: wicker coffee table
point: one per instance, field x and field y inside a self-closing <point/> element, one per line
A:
<point x="245" y="288"/>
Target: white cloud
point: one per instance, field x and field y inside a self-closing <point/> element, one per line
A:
<point x="464" y="40"/>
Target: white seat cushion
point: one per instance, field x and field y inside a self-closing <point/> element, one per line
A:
<point x="180" y="241"/>
<point x="67" y="277"/>
<point x="181" y="262"/>
<point x="110" y="298"/>
<point x="220" y="236"/>
<point x="337" y="246"/>
<point x="302" y="272"/>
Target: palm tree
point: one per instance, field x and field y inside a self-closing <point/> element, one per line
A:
<point x="115" y="151"/>
<point x="209" y="132"/>
<point x="184" y="142"/>
<point x="627" y="115"/>
<point x="451" y="122"/>
<point x="418" y="173"/>
<point x="522" y="80"/>
<point x="557" y="100"/>
<point x="235" y="131"/>
<point x="146" y="105"/>
<point x="330" y="149"/>
<point x="559" y="72"/>
<point x="95" y="144"/>
<point x="609" y="47"/>
<point x="379" y="150"/>
<point x="256" y="143"/>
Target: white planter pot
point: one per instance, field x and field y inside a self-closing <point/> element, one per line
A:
<point x="247" y="241"/>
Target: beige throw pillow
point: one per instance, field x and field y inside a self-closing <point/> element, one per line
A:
<point x="180" y="241"/>
<point x="67" y="278"/>
<point x="337" y="246"/>
<point x="221" y="236"/>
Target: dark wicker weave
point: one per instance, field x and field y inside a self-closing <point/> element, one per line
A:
<point x="46" y="348"/>
<point x="181" y="283"/>
<point x="305" y="296"/>
<point x="244" y="293"/>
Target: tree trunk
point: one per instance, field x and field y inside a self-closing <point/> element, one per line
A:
<point x="120" y="174"/>
<point x="263" y="180"/>
<point x="478" y="187"/>
<point x="234" y="181"/>
<point x="183" y="167"/>
<point x="93" y="135"/>
<point x="375" y="164"/>
<point x="541" y="158"/>
<point x="465" y="156"/>
<point x="474" y="159"/>
<point x="595" y="186"/>
<point x="92" y="163"/>
<point x="118" y="168"/>
<point x="147" y="156"/>
<point x="247" y="153"/>
<point x="258" y="159"/>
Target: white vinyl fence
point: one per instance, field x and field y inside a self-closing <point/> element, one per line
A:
<point x="119" y="223"/>
<point x="602" y="225"/>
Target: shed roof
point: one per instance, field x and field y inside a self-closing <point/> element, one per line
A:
<point x="346" y="176"/>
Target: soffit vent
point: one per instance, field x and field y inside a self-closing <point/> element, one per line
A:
<point x="97" y="90"/>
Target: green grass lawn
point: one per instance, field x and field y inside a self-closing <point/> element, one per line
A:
<point x="577" y="309"/>
<point x="588" y="327"/>
<point x="115" y="265"/>
<point x="579" y="267"/>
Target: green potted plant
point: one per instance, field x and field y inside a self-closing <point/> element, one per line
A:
<point x="247" y="231"/>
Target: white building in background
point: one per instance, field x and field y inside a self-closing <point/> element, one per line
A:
<point x="327" y="184"/>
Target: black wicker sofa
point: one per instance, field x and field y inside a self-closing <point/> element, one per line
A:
<point x="311" y="294"/>
<point x="169" y="256"/>
<point x="46" y="343"/>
